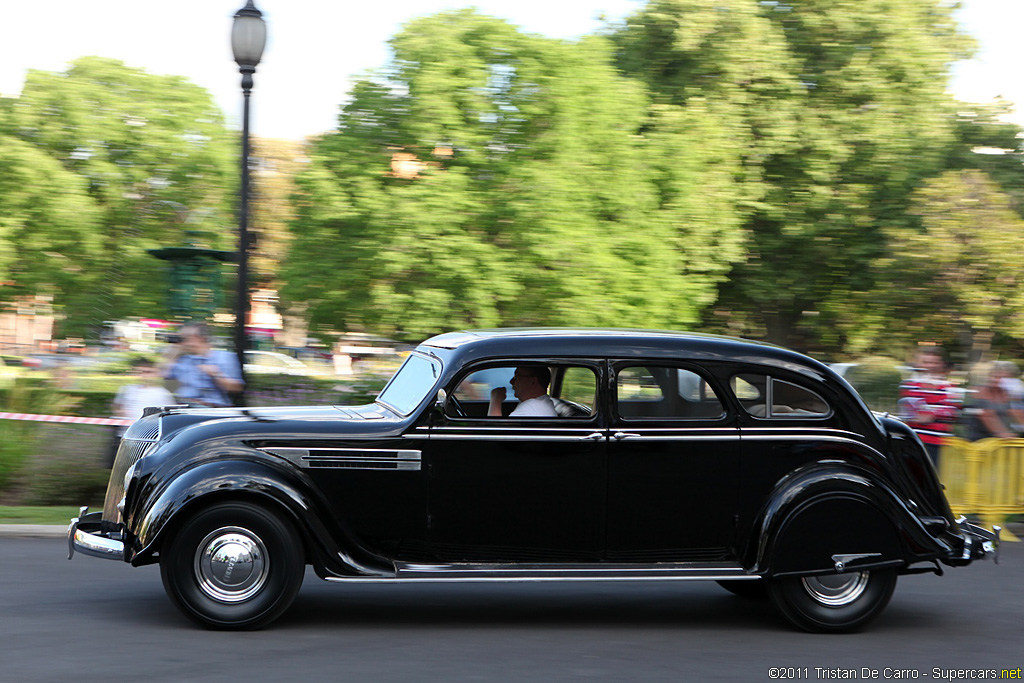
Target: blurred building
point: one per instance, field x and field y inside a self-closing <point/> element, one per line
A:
<point x="26" y="324"/>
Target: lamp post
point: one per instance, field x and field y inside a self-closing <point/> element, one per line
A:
<point x="248" y="37"/>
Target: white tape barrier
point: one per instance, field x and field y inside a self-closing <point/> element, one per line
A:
<point x="115" y="421"/>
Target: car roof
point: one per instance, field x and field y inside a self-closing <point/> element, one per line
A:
<point x="452" y="340"/>
<point x="624" y="343"/>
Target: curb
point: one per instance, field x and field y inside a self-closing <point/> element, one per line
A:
<point x="33" y="531"/>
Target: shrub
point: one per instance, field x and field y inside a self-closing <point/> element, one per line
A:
<point x="877" y="380"/>
<point x="64" y="482"/>
<point x="68" y="465"/>
<point x="27" y="394"/>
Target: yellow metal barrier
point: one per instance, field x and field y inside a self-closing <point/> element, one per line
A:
<point x="985" y="478"/>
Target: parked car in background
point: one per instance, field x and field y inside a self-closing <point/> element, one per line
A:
<point x="669" y="457"/>
<point x="269" y="362"/>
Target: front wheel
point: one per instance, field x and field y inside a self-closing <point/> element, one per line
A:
<point x="834" y="602"/>
<point x="233" y="566"/>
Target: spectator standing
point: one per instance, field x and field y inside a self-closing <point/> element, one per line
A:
<point x="206" y="376"/>
<point x="992" y="412"/>
<point x="929" y="403"/>
<point x="132" y="399"/>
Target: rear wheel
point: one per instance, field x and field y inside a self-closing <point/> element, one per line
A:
<point x="833" y="602"/>
<point x="233" y="566"/>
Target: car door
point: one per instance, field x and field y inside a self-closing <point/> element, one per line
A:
<point x="673" y="458"/>
<point x="507" y="489"/>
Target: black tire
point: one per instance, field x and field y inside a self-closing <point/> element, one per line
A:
<point x="233" y="566"/>
<point x="752" y="590"/>
<point x="835" y="602"/>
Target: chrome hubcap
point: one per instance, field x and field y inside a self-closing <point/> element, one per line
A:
<point x="231" y="564"/>
<point x="836" y="590"/>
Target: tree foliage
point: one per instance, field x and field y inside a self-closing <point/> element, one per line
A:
<point x="492" y="177"/>
<point x="843" y="110"/>
<point x="111" y="159"/>
<point x="793" y="170"/>
<point x="48" y="223"/>
<point x="957" y="277"/>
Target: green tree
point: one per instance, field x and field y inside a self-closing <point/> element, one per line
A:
<point x="48" y="222"/>
<point x="141" y="146"/>
<point x="843" y="113"/>
<point x="487" y="177"/>
<point x="956" y="278"/>
<point x="986" y="142"/>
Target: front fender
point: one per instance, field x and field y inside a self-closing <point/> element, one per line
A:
<point x="212" y="480"/>
<point x="829" y="510"/>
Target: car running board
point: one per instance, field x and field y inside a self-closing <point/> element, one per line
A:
<point x="463" y="572"/>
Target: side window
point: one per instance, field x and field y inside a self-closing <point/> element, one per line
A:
<point x="802" y="401"/>
<point x="649" y="391"/>
<point x="579" y="385"/>
<point x="770" y="397"/>
<point x="477" y="385"/>
<point x="571" y="392"/>
<point x="752" y="392"/>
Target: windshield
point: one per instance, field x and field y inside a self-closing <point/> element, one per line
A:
<point x="410" y="384"/>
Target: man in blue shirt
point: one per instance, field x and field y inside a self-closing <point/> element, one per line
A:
<point x="206" y="376"/>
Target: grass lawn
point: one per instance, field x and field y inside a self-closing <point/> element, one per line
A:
<point x="39" y="514"/>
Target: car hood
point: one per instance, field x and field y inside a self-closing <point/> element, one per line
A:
<point x="372" y="420"/>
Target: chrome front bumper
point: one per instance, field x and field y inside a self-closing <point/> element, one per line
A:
<point x="979" y="542"/>
<point x="86" y="535"/>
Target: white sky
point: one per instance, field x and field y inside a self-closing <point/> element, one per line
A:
<point x="316" y="46"/>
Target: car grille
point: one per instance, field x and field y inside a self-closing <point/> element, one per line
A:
<point x="139" y="438"/>
<point x="144" y="430"/>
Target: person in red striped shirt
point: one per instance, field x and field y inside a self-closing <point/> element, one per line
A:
<point x="929" y="403"/>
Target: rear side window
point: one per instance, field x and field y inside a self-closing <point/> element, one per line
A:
<point x="651" y="391"/>
<point x="769" y="397"/>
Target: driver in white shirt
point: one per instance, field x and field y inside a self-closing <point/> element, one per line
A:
<point x="530" y="386"/>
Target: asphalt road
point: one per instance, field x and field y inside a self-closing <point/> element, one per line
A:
<point x="92" y="620"/>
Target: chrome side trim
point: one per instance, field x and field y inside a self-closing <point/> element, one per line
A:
<point x="680" y="430"/>
<point x="680" y="437"/>
<point x="802" y="430"/>
<point x="569" y="569"/>
<point x="350" y="458"/>
<point x="531" y="430"/>
<point x="810" y="437"/>
<point x="512" y="437"/>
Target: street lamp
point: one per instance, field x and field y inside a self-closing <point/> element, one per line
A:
<point x="248" y="37"/>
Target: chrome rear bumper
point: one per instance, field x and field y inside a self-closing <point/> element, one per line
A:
<point x="85" y="535"/>
<point x="979" y="543"/>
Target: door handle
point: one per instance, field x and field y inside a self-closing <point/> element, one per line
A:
<point x="619" y="436"/>
<point x="596" y="436"/>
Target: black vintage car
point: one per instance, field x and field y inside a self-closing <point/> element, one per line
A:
<point x="667" y="457"/>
